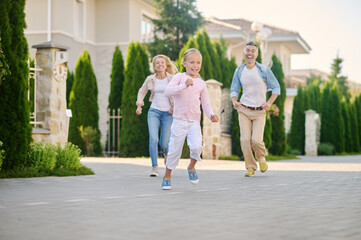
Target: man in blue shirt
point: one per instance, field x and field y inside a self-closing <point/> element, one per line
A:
<point x="255" y="79"/>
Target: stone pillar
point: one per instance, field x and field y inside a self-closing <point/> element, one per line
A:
<point x="212" y="131"/>
<point x="312" y="128"/>
<point x="51" y="93"/>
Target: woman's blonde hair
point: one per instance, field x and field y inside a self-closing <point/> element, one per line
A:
<point x="171" y="67"/>
<point x="188" y="53"/>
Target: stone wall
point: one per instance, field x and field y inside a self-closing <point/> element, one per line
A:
<point x="312" y="132"/>
<point x="216" y="137"/>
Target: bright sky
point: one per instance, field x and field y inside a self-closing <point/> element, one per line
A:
<point x="328" y="26"/>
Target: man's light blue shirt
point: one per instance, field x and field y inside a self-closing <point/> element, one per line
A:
<point x="266" y="74"/>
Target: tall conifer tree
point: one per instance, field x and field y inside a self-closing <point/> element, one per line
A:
<point x="332" y="124"/>
<point x="215" y="66"/>
<point x="206" y="70"/>
<point x="84" y="104"/>
<point x="355" y="129"/>
<point x="115" y="98"/>
<point x="278" y="128"/>
<point x="358" y="116"/>
<point x="297" y="132"/>
<point x="134" y="136"/>
<point x="15" y="130"/>
<point x="347" y="125"/>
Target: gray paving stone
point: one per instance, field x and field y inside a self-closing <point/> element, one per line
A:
<point x="310" y="198"/>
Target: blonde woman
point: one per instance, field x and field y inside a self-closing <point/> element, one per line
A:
<point x="161" y="109"/>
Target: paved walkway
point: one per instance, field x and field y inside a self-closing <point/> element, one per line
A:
<point x="312" y="198"/>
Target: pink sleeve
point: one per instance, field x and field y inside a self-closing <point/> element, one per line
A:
<point x="175" y="86"/>
<point x="206" y="103"/>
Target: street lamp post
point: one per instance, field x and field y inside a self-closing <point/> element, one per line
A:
<point x="261" y="35"/>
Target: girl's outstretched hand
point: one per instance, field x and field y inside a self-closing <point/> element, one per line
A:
<point x="214" y="118"/>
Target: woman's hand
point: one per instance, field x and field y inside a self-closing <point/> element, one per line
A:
<point x="171" y="111"/>
<point x="139" y="110"/>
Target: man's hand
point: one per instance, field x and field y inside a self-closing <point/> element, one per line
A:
<point x="266" y="105"/>
<point x="214" y="118"/>
<point x="139" y="110"/>
<point x="171" y="111"/>
<point x="236" y="105"/>
<point x="189" y="82"/>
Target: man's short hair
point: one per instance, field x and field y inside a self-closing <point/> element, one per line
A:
<point x="252" y="44"/>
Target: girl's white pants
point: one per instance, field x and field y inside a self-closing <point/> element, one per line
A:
<point x="181" y="129"/>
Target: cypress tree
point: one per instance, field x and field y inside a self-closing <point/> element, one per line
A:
<point x="115" y="96"/>
<point x="206" y="70"/>
<point x="347" y="126"/>
<point x="297" y="132"/>
<point x="215" y="66"/>
<point x="84" y="105"/>
<point x="355" y="129"/>
<point x="332" y="124"/>
<point x="227" y="66"/>
<point x="4" y="67"/>
<point x="15" y="130"/>
<point x="134" y="132"/>
<point x="267" y="135"/>
<point x="315" y="96"/>
<point x="358" y="115"/>
<point x="69" y="86"/>
<point x="278" y="127"/>
<point x="235" y="134"/>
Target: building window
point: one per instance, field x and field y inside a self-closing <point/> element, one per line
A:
<point x="79" y="26"/>
<point x="147" y="29"/>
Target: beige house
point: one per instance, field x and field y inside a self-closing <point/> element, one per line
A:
<point x="95" y="25"/>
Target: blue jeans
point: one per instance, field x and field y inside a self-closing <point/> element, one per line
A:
<point x="156" y="119"/>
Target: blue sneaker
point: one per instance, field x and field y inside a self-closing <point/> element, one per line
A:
<point x="193" y="176"/>
<point x="166" y="184"/>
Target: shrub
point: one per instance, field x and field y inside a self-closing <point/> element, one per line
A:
<point x="68" y="157"/>
<point x="295" y="152"/>
<point x="89" y="136"/>
<point x="326" y="149"/>
<point x="42" y="157"/>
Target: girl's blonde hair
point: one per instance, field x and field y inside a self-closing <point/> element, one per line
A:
<point x="188" y="53"/>
<point x="171" y="67"/>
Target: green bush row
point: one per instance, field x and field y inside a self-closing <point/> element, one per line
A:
<point x="48" y="156"/>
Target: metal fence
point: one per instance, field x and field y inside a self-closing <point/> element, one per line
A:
<point x="32" y="92"/>
<point x="113" y="133"/>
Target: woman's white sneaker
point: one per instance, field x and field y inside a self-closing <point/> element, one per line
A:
<point x="154" y="172"/>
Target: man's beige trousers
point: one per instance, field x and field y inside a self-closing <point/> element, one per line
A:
<point x="252" y="123"/>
